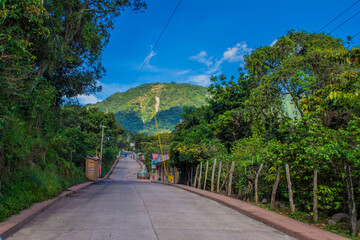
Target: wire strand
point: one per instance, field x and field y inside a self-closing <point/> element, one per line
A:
<point x="156" y="43"/>
<point x="338" y="16"/>
<point x="345" y="21"/>
<point x="355" y="35"/>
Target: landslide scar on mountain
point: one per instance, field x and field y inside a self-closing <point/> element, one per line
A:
<point x="157" y="88"/>
<point x="157" y="104"/>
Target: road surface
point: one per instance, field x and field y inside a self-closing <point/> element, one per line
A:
<point x="123" y="208"/>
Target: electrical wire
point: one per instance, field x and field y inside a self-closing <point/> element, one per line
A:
<point x="355" y="35"/>
<point x="338" y="16"/>
<point x="345" y="21"/>
<point x="156" y="43"/>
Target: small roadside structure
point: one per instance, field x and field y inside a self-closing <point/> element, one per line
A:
<point x="164" y="171"/>
<point x="143" y="174"/>
<point x="92" y="168"/>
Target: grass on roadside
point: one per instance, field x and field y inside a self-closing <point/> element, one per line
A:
<point x="341" y="228"/>
<point x="28" y="186"/>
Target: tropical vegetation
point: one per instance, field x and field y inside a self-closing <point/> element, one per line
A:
<point x="296" y="104"/>
<point x="50" y="52"/>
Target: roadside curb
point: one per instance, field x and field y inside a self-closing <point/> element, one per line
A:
<point x="140" y="163"/>
<point x="111" y="170"/>
<point x="15" y="222"/>
<point x="289" y="226"/>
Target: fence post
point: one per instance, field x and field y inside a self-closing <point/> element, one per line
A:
<point x="200" y="171"/>
<point x="218" y="181"/>
<point x="275" y="187"/>
<point x="291" y="199"/>
<point x="315" y="203"/>
<point x="256" y="183"/>
<point x="352" y="207"/>
<point x="230" y="177"/>
<point x="196" y="176"/>
<point x="206" y="172"/>
<point x="213" y="175"/>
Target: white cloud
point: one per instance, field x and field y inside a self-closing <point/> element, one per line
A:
<point x="107" y="91"/>
<point x="88" y="99"/>
<point x="231" y="55"/>
<point x="215" y="68"/>
<point x="201" y="57"/>
<point x="236" y="53"/>
<point x="201" y="79"/>
<point x="148" y="66"/>
<point x="152" y="53"/>
<point x="273" y="42"/>
<point x="183" y="72"/>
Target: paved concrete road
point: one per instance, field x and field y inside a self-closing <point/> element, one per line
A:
<point x="121" y="208"/>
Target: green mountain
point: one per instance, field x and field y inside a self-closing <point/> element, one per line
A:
<point x="134" y="108"/>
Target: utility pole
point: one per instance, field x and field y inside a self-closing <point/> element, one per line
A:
<point x="102" y="140"/>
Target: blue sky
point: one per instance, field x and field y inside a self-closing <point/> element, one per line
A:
<point x="207" y="37"/>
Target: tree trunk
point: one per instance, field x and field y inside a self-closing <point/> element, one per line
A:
<point x="315" y="204"/>
<point x="351" y="200"/>
<point x="230" y="178"/>
<point x="291" y="199"/>
<point x="206" y="172"/>
<point x="196" y="176"/>
<point x="218" y="180"/>
<point x="200" y="171"/>
<point x="275" y="187"/>
<point x="256" y="183"/>
<point x="213" y="175"/>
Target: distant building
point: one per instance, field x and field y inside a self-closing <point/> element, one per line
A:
<point x="141" y="156"/>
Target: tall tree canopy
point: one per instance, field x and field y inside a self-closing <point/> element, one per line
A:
<point x="59" y="40"/>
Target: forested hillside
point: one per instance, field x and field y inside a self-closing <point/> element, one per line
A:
<point x="50" y="52"/>
<point x="248" y="122"/>
<point x="134" y="108"/>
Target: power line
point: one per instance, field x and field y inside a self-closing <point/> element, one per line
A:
<point x="156" y="43"/>
<point x="345" y="21"/>
<point x="355" y="35"/>
<point x="338" y="15"/>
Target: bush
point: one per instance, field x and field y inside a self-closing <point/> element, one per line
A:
<point x="108" y="159"/>
<point x="30" y="185"/>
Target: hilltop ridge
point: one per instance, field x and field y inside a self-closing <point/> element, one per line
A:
<point x="134" y="108"/>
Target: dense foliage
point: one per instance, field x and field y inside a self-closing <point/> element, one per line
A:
<point x="134" y="108"/>
<point x="296" y="102"/>
<point x="51" y="51"/>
